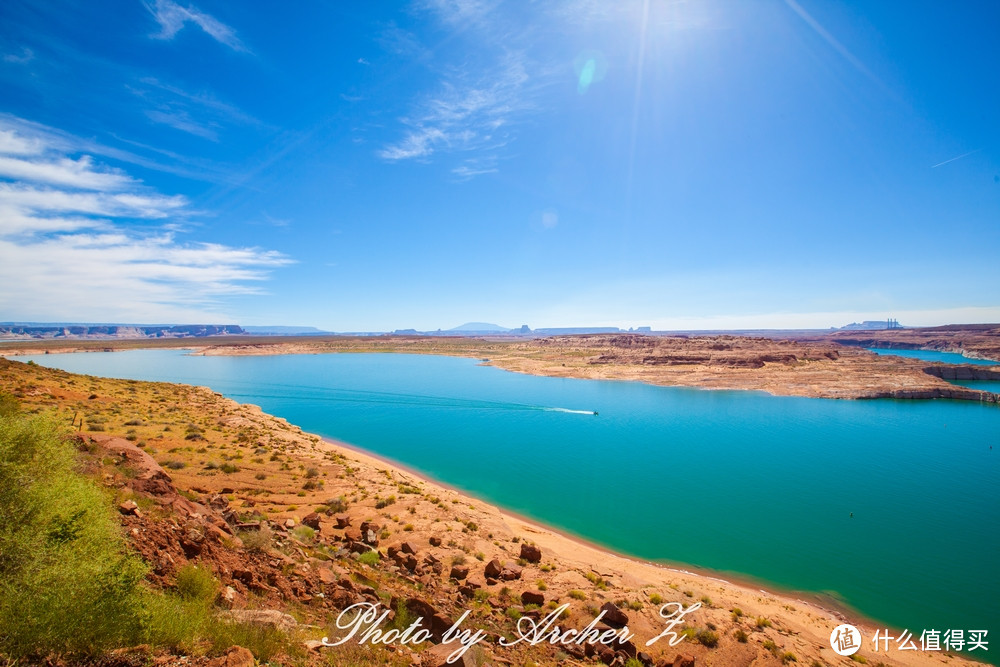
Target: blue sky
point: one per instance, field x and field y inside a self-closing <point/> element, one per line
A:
<point x="372" y="166"/>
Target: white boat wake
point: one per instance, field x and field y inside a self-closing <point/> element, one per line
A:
<point x="572" y="412"/>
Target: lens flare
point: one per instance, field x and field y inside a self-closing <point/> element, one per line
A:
<point x="590" y="67"/>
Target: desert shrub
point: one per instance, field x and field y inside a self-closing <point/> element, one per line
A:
<point x="763" y="622"/>
<point x="384" y="502"/>
<point x="741" y="636"/>
<point x="336" y="505"/>
<point x="68" y="584"/>
<point x="263" y="641"/>
<point x="404" y="618"/>
<point x="303" y="533"/>
<point x="256" y="540"/>
<point x="175" y="465"/>
<point x="577" y="595"/>
<point x="708" y="638"/>
<point x="369" y="558"/>
<point x="175" y="623"/>
<point x="656" y="599"/>
<point x="196" y="583"/>
<point x="9" y="405"/>
<point x="229" y="468"/>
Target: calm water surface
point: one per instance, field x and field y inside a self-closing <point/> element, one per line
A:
<point x="739" y="482"/>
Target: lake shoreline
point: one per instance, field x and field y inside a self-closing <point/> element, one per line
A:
<point x="825" y="367"/>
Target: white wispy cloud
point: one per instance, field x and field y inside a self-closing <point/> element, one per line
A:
<point x="71" y="246"/>
<point x="462" y="12"/>
<point x="465" y="116"/>
<point x="475" y="167"/>
<point x="198" y="113"/>
<point x="181" y="120"/>
<point x="23" y="58"/>
<point x="12" y="143"/>
<point x="172" y="18"/>
<point x="78" y="173"/>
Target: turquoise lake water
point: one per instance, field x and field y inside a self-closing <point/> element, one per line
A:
<point x="934" y="355"/>
<point x="739" y="482"/>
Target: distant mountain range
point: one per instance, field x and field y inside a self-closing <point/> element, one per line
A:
<point x="284" y="331"/>
<point x="39" y="331"/>
<point x="480" y="327"/>
<point x="487" y="329"/>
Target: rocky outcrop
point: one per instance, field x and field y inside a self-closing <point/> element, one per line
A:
<point x="531" y="553"/>
<point x="614" y="616"/>
<point x="532" y="597"/>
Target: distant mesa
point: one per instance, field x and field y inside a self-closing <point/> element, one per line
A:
<point x="32" y="331"/>
<point x="873" y="325"/>
<point x="481" y="327"/>
<point x="488" y="329"/>
<point x="284" y="331"/>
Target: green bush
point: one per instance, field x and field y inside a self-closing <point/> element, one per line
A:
<point x="259" y="541"/>
<point x="404" y="618"/>
<point x="176" y="623"/>
<point x="68" y="584"/>
<point x="304" y="533"/>
<point x="336" y="505"/>
<point x="9" y="405"/>
<point x="369" y="558"/>
<point x="708" y="638"/>
<point x="263" y="641"/>
<point x="196" y="584"/>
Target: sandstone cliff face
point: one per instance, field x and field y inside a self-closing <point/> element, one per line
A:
<point x="980" y="341"/>
<point x="964" y="372"/>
